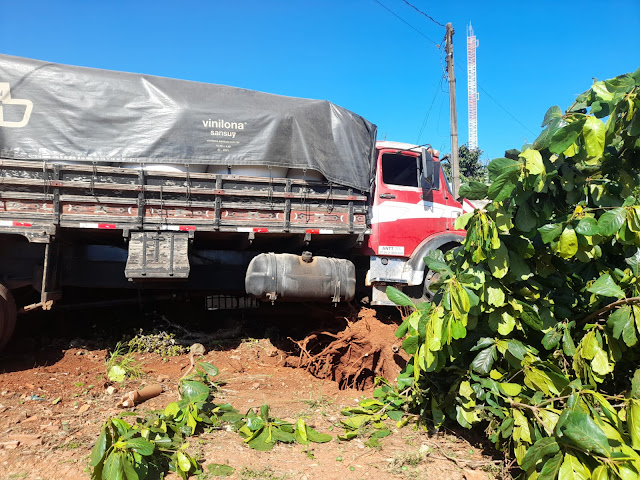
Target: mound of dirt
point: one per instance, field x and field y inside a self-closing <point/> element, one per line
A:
<point x="353" y="357"/>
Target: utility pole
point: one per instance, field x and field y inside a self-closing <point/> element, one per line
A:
<point x="453" y="114"/>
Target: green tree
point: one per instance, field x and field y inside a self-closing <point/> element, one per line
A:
<point x="534" y="330"/>
<point x="471" y="168"/>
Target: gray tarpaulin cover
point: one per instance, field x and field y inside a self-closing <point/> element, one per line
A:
<point x="57" y="112"/>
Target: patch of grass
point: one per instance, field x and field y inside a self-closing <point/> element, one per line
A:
<point x="160" y="342"/>
<point x="403" y="461"/>
<point x="264" y="474"/>
<point x="320" y="402"/>
<point x="122" y="365"/>
<point x="18" y="475"/>
<point x="72" y="445"/>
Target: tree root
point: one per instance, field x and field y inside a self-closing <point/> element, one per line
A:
<point x="353" y="357"/>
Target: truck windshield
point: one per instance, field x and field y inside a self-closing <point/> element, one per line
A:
<point x="399" y="169"/>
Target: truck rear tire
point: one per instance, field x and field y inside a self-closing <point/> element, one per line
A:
<point x="8" y="314"/>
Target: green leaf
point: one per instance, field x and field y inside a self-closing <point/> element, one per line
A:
<point x="410" y="344"/>
<point x="140" y="445"/>
<point x="495" y="294"/>
<point x="633" y="422"/>
<point x="635" y="385"/>
<point x="568" y="347"/>
<point x="194" y="391"/>
<point x="551" y="468"/>
<point x="113" y="466"/>
<point x="605" y="286"/>
<point x="600" y="473"/>
<point x="530" y="316"/>
<point x="473" y="191"/>
<point x="551" y="339"/>
<point x="402" y="329"/>
<point x="263" y="441"/>
<point x="622" y="324"/>
<point x="301" y="432"/>
<point x="525" y="218"/>
<point x="484" y="360"/>
<point x="544" y="447"/>
<point x="172" y="409"/>
<point x="209" y="369"/>
<point x="398" y="297"/>
<point x="460" y="302"/>
<point x="580" y="429"/>
<point x="568" y="244"/>
<point x="588" y="226"/>
<point x="553" y="112"/>
<point x="499" y="166"/>
<point x="594" y="132"/>
<point x="601" y="92"/>
<point x="533" y="162"/>
<point x="516" y="348"/>
<point x="511" y="389"/>
<point x="183" y="461"/>
<point x="117" y="374"/>
<point x="610" y="222"/>
<point x="462" y="220"/>
<point x="317" y="437"/>
<point x="435" y="261"/>
<point x="550" y="232"/>
<point x="127" y="466"/>
<point x="99" y="449"/>
<point x="565" y="136"/>
<point x="573" y="469"/>
<point x="483" y="343"/>
<point x="634" y="262"/>
<point x="502" y="187"/>
<point x="499" y="262"/>
<point x="220" y="470"/>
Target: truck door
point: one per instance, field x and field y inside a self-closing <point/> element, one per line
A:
<point x="405" y="209"/>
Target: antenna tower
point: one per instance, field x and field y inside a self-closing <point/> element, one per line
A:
<point x="472" y="88"/>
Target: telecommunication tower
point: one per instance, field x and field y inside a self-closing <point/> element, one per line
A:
<point x="472" y="88"/>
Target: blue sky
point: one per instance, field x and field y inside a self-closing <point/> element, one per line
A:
<point x="354" y="53"/>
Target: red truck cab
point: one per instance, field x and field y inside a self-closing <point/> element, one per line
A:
<point x="413" y="211"/>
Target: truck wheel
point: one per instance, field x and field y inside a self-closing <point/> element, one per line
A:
<point x="8" y="315"/>
<point x="422" y="293"/>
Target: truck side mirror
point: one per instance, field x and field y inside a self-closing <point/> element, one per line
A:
<point x="430" y="171"/>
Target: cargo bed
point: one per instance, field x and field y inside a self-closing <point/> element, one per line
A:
<point x="38" y="198"/>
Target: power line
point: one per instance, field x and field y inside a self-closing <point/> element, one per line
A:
<point x="439" y="45"/>
<point x="507" y="111"/>
<point x="426" y="117"/>
<point x="405" y="22"/>
<point x="421" y="12"/>
<point x="500" y="105"/>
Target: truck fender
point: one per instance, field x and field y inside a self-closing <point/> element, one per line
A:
<point x="415" y="266"/>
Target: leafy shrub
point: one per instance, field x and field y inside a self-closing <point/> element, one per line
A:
<point x="534" y="329"/>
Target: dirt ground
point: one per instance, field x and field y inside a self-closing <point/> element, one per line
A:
<point x="54" y="397"/>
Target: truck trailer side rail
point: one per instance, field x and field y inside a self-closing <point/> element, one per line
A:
<point x="38" y="197"/>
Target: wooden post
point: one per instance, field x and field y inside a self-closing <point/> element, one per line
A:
<point x="453" y="114"/>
